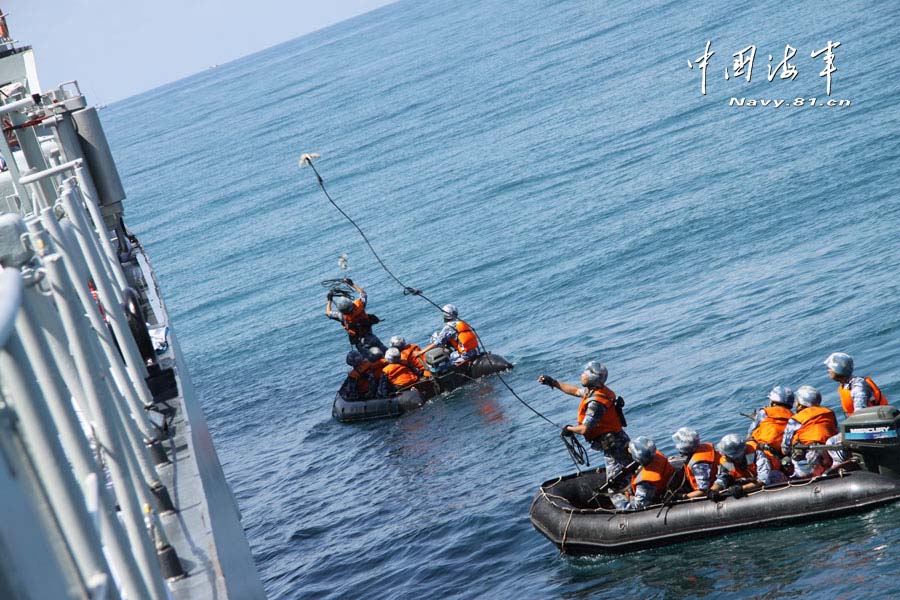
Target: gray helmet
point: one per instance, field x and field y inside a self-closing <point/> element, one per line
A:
<point x="782" y="395"/>
<point x="354" y="358"/>
<point x="733" y="446"/>
<point x="375" y="353"/>
<point x="450" y="312"/>
<point x="841" y="363"/>
<point x="397" y="341"/>
<point x="686" y="440"/>
<point x="807" y="395"/>
<point x="642" y="449"/>
<point x="344" y="305"/>
<point x="392" y="355"/>
<point x="596" y="373"/>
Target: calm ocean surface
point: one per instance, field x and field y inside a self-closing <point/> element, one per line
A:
<point x="553" y="169"/>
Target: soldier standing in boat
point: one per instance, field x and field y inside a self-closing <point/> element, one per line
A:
<point x="352" y="316"/>
<point x="600" y="418"/>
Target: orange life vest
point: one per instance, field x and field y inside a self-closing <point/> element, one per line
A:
<point x="361" y="375"/>
<point x="877" y="398"/>
<point x="658" y="472"/>
<point x="736" y="471"/>
<point x="817" y="424"/>
<point x="705" y="453"/>
<point x="378" y="368"/>
<point x="408" y="357"/>
<point x="465" y="340"/>
<point x="609" y="422"/>
<point x="399" y="375"/>
<point x="771" y="430"/>
<point x="774" y="461"/>
<point x="356" y="322"/>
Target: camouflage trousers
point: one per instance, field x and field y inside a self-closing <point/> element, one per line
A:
<point x="614" y="447"/>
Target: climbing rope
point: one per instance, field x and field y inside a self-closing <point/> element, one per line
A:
<point x="576" y="451"/>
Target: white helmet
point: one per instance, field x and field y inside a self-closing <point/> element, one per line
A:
<point x="807" y="395"/>
<point x="596" y="373"/>
<point x="397" y="341"/>
<point x="450" y="312"/>
<point x="642" y="449"/>
<point x="841" y="363"/>
<point x="392" y="355"/>
<point x="686" y="440"/>
<point x="781" y="395"/>
<point x="344" y="305"/>
<point x="733" y="446"/>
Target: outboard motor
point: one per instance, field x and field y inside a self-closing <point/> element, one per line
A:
<point x="437" y="358"/>
<point x="873" y="435"/>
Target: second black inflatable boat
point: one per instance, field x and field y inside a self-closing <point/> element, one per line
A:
<point x="410" y="399"/>
<point x="569" y="511"/>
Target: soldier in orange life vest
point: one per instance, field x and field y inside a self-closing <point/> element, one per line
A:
<point x="701" y="461"/>
<point x="397" y="376"/>
<point x="855" y="391"/>
<point x="648" y="486"/>
<point x="410" y="356"/>
<point x="744" y="467"/>
<point x="360" y="382"/>
<point x="600" y="418"/>
<point x="769" y="422"/>
<point x="376" y="358"/>
<point x="456" y="335"/>
<point x="811" y="424"/>
<point x="354" y="319"/>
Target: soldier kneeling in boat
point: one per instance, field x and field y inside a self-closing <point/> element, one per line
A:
<point x="600" y="417"/>
<point x="397" y="376"/>
<point x="456" y="336"/>
<point x="360" y="382"/>
<point x="768" y="424"/>
<point x="812" y="424"/>
<point x="701" y="461"/>
<point x="744" y="466"/>
<point x="410" y="355"/>
<point x="856" y="391"/>
<point x="649" y="485"/>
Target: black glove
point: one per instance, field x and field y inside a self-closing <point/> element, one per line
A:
<point x="547" y="380"/>
<point x="566" y="432"/>
<point x="347" y="280"/>
<point x="714" y="495"/>
<point x="737" y="491"/>
<point x="330" y="295"/>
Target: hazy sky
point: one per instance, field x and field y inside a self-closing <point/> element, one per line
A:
<point x="117" y="48"/>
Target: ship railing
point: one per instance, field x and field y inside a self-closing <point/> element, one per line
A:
<point x="61" y="358"/>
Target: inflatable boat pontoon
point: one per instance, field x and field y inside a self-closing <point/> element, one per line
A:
<point x="377" y="408"/>
<point x="571" y="514"/>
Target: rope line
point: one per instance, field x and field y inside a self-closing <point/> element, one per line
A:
<point x="407" y="290"/>
<point x="576" y="451"/>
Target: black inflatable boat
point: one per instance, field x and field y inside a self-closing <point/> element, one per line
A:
<point x="377" y="408"/>
<point x="569" y="512"/>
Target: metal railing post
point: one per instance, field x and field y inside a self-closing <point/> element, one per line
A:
<point x="24" y="348"/>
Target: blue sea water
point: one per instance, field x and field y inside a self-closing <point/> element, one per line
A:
<point x="553" y="169"/>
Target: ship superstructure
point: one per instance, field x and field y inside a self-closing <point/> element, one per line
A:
<point x="109" y="485"/>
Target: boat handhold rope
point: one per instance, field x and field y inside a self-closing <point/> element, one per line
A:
<point x="307" y="159"/>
